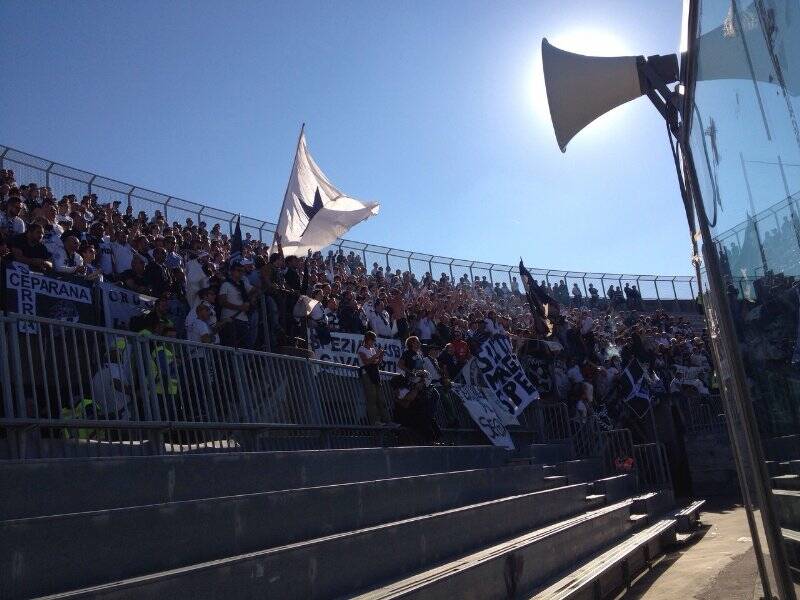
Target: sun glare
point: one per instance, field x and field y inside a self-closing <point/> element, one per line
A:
<point x="592" y="42"/>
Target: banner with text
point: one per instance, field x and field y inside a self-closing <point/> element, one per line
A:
<point x="343" y="346"/>
<point x="51" y="296"/>
<point x="482" y="410"/>
<point x="121" y="305"/>
<point x="503" y="373"/>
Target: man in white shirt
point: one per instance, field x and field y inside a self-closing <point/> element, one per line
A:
<point x="426" y="328"/>
<point x="67" y="259"/>
<point x="196" y="278"/>
<point x="104" y="248"/>
<point x="380" y="321"/>
<point x="234" y="296"/>
<point x="121" y="252"/>
<point x="10" y="222"/>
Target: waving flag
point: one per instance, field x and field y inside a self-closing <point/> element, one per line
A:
<point x="315" y="212"/>
<point x="236" y="241"/>
<point x="541" y="302"/>
<point x="634" y="390"/>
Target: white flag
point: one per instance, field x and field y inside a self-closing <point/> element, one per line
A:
<point x="314" y="212"/>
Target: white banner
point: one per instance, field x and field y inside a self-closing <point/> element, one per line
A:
<point x="482" y="410"/>
<point x="503" y="373"/>
<point x="343" y="347"/>
<point x="120" y="305"/>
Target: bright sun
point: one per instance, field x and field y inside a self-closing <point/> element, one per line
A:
<point x="591" y="42"/>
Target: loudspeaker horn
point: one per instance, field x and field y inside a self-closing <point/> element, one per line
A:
<point x="581" y="88"/>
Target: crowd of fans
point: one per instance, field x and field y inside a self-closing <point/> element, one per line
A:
<point x="209" y="288"/>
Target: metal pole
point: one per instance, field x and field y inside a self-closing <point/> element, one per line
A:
<point x="739" y="399"/>
<point x="166" y="208"/>
<point x="47" y="174"/>
<point x="675" y="292"/>
<point x="3" y="159"/>
<point x="90" y="184"/>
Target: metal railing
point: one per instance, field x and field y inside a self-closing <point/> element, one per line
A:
<point x="652" y="467"/>
<point x="69" y="389"/>
<point x="704" y="415"/>
<point x="63" y="179"/>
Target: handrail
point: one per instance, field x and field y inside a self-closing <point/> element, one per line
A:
<point x="57" y="175"/>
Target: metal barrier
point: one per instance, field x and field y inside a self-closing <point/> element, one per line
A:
<point x="652" y="467"/>
<point x="665" y="290"/>
<point x="79" y="390"/>
<point x="704" y="415"/>
<point x="617" y="451"/>
<point x="586" y="437"/>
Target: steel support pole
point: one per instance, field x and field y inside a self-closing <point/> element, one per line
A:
<point x="47" y="174"/>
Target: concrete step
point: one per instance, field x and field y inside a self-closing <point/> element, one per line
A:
<point x="595" y="501"/>
<point x="136" y="481"/>
<point x="552" y="453"/>
<point x="585" y="469"/>
<point x="786" y="482"/>
<point x="509" y="569"/>
<point x="126" y="542"/>
<point x="687" y="519"/>
<point x="783" y="448"/>
<point x="791" y="539"/>
<point x="337" y="565"/>
<point x="615" y="568"/>
<point x="615" y="488"/>
<point x="787" y="503"/>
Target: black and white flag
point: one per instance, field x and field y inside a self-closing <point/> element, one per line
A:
<point x="315" y="213"/>
<point x="634" y="389"/>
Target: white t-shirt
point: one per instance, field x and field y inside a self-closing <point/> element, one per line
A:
<point x="231" y="293"/>
<point x="104" y="259"/>
<point x="13" y="225"/>
<point x="122" y="255"/>
<point x="195" y="330"/>
<point x="52" y="239"/>
<point x="63" y="263"/>
<point x="364" y="354"/>
<point x="426" y="328"/>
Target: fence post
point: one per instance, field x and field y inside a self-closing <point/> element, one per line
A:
<point x="150" y="400"/>
<point x="89" y="185"/>
<point x="3" y="159"/>
<point x="675" y="292"/>
<point x="241" y="389"/>
<point x="166" y="208"/>
<point x="14" y="445"/>
<point x="47" y="174"/>
<point x="312" y="383"/>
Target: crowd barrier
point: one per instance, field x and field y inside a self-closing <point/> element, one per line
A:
<point x="672" y="292"/>
<point x="652" y="467"/>
<point x="70" y="389"/>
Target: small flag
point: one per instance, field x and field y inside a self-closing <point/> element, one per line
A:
<point x="314" y="212"/>
<point x="236" y="242"/>
<point x="541" y="302"/>
<point x="634" y="390"/>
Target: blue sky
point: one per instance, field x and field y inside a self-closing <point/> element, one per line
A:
<point x="434" y="109"/>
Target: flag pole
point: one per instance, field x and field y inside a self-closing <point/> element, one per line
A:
<point x="288" y="181"/>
